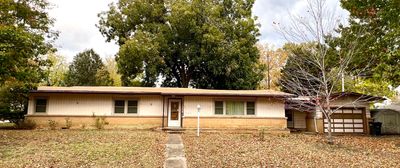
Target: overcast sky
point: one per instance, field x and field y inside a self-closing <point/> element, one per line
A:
<point x="76" y="19"/>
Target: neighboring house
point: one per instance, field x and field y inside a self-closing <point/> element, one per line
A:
<point x="159" y="107"/>
<point x="352" y="114"/>
<point x="389" y="116"/>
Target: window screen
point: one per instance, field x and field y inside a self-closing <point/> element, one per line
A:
<point x="219" y="107"/>
<point x="250" y="108"/>
<point x="41" y="105"/>
<point x="119" y="106"/>
<point x="132" y="106"/>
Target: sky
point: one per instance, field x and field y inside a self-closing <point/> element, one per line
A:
<point x="76" y="20"/>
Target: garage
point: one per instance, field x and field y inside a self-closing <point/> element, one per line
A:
<point x="347" y="120"/>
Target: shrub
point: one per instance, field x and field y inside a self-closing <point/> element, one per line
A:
<point x="261" y="135"/>
<point x="26" y="124"/>
<point x="100" y="122"/>
<point x="68" y="123"/>
<point x="52" y="124"/>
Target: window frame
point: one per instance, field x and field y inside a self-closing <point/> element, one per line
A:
<point x="114" y="106"/>
<point x="46" y="106"/>
<point x="127" y="107"/>
<point x="223" y="107"/>
<point x="254" y="102"/>
<point x="235" y="100"/>
<point x="126" y="101"/>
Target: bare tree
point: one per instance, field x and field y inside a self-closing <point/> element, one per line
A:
<point x="317" y="67"/>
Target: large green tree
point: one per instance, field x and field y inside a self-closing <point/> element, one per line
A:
<point x="198" y="43"/>
<point x="87" y="69"/>
<point x="56" y="71"/>
<point x="25" y="36"/>
<point x="380" y="20"/>
<point x="24" y="27"/>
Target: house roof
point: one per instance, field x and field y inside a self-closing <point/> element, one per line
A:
<point x="305" y="103"/>
<point x="394" y="107"/>
<point x="159" y="91"/>
<point x="360" y="96"/>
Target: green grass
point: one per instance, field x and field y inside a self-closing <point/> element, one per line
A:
<point x="7" y="125"/>
<point x="81" y="148"/>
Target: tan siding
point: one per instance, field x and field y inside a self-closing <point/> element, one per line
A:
<point x="206" y="105"/>
<point x="79" y="104"/>
<point x="266" y="107"/>
<point x="269" y="112"/>
<point x="31" y="106"/>
<point x="150" y="106"/>
<point x="299" y="119"/>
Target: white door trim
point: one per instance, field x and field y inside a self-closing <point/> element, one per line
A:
<point x="177" y="121"/>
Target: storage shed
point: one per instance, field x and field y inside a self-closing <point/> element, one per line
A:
<point x="389" y="116"/>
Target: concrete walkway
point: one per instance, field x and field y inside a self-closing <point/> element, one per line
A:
<point x="175" y="155"/>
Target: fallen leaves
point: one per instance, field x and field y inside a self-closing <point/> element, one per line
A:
<point x="81" y="148"/>
<point x="295" y="150"/>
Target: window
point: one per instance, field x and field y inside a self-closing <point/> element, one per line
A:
<point x="250" y="108"/>
<point x="219" y="107"/>
<point x="119" y="106"/>
<point x="41" y="105"/>
<point x="234" y="108"/>
<point x="125" y="106"/>
<point x="132" y="107"/>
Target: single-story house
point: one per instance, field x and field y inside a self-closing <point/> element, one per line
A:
<point x="159" y="107"/>
<point x="352" y="114"/>
<point x="389" y="116"/>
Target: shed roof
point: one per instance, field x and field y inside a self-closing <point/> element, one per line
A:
<point x="159" y="91"/>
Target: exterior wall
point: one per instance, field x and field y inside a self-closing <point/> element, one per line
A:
<point x="235" y="122"/>
<point x="151" y="108"/>
<point x="206" y="106"/>
<point x="390" y="120"/>
<point x="264" y="107"/>
<point x="88" y="121"/>
<point x="299" y="119"/>
<point x="99" y="105"/>
<point x="269" y="113"/>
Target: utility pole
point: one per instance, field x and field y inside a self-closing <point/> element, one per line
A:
<point x="342" y="81"/>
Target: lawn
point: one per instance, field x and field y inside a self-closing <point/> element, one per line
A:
<point x="81" y="148"/>
<point x="294" y="150"/>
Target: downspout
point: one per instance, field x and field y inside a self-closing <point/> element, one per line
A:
<point x="315" y="122"/>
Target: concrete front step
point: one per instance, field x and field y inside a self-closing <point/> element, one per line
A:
<point x="173" y="130"/>
<point x="175" y="153"/>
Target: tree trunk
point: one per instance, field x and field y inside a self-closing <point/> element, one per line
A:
<point x="330" y="138"/>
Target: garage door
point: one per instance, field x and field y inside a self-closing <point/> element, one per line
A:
<point x="347" y="120"/>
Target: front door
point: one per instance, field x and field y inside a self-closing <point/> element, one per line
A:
<point x="174" y="113"/>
